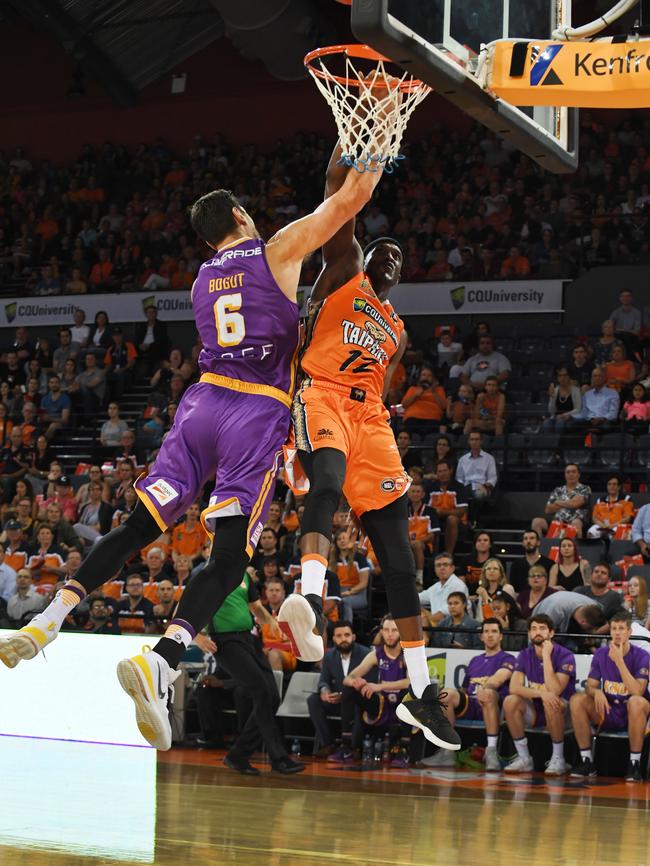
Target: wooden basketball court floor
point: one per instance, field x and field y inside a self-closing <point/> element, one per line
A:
<point x="80" y="804"/>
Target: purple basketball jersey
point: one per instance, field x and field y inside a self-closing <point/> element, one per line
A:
<point x="482" y="667"/>
<point x="604" y="670"/>
<point x="248" y="327"/>
<point x="532" y="667"/>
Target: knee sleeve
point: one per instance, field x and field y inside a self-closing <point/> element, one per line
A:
<point x="387" y="529"/>
<point x="325" y="469"/>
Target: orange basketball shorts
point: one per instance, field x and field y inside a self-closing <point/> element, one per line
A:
<point x="327" y="417"/>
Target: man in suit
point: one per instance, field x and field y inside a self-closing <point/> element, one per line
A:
<point x="151" y="341"/>
<point x="338" y="661"/>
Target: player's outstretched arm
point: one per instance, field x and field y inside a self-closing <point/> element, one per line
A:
<point x="288" y="247"/>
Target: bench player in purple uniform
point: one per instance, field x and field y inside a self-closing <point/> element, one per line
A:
<point x="484" y="688"/>
<point x="615" y="699"/>
<point x="233" y="422"/>
<point x="540" y="688"/>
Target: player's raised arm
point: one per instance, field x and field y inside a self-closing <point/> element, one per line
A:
<point x="288" y="247"/>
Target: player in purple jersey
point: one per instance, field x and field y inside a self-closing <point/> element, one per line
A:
<point x="233" y="422"/>
<point x="479" y="698"/>
<point x="615" y="698"/>
<point x="375" y="702"/>
<point x="540" y="688"/>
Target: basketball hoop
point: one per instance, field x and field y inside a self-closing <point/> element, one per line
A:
<point x="371" y="106"/>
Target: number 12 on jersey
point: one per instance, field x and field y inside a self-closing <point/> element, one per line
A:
<point x="231" y="327"/>
<point x="356" y="355"/>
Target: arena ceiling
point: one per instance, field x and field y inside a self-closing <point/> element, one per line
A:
<point x="127" y="44"/>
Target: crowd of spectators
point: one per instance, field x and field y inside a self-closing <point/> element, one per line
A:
<point x="466" y="207"/>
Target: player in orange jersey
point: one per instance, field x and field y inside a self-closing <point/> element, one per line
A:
<point x="344" y="443"/>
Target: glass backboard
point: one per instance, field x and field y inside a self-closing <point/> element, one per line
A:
<point x="439" y="40"/>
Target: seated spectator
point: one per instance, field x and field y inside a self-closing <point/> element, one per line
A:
<point x="91" y="386"/>
<point x="493" y="579"/>
<point x="520" y="567"/>
<point x="353" y="571"/>
<point x="363" y="700"/>
<point x="627" y="320"/>
<point x="580" y="367"/>
<point x="563" y="399"/>
<point x="540" y="688"/>
<point x="134" y="614"/>
<point x="611" y="511"/>
<point x="571" y="612"/>
<point x="434" y="599"/>
<point x="345" y="655"/>
<point x="26" y="601"/>
<point x="277" y="648"/>
<point x="614" y="700"/>
<point x="275" y="521"/>
<point x="600" y="405"/>
<point x="49" y="284"/>
<point x="506" y="610"/>
<point x="182" y="574"/>
<point x="67" y="350"/>
<point x="100" y="619"/>
<point x="449" y="500"/>
<point x="636" y="601"/>
<point x="76" y="285"/>
<point x="598" y="589"/>
<point x="571" y="570"/>
<point x="99" y="339"/>
<point x="448" y="352"/>
<point x="424" y="404"/>
<point x="485" y="363"/>
<point x="602" y="348"/>
<point x="7" y="577"/>
<point x="568" y="503"/>
<point x="112" y="429"/>
<point x="35" y="371"/>
<point x="79" y="330"/>
<point x="163" y="611"/>
<point x="82" y="495"/>
<point x="481" y="553"/>
<point x="156" y="566"/>
<point x="16" y="551"/>
<point x="619" y="372"/>
<point x="55" y="408"/>
<point x="6" y="425"/>
<point x="64" y="496"/>
<point x="484" y="687"/>
<point x="13" y="370"/>
<point x="119" y="361"/>
<point x="13" y="463"/>
<point x="408" y="456"/>
<point x="423" y="528"/>
<point x="46" y="560"/>
<point x="458" y="617"/>
<point x="100" y="274"/>
<point x="636" y="411"/>
<point x="188" y="535"/>
<point x="267" y="547"/>
<point x="459" y="411"/>
<point x="30" y="425"/>
<point x="95" y="517"/>
<point x="641" y="532"/>
<point x="488" y="413"/>
<point x="64" y="535"/>
<point x="478" y="472"/>
<point x="538" y="589"/>
<point x="128" y="451"/>
<point x="516" y="266"/>
<point x="151" y="340"/>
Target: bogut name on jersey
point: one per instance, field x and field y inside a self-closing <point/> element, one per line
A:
<point x="366" y="337"/>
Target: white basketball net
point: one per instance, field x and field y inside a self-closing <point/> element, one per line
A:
<point x="370" y="118"/>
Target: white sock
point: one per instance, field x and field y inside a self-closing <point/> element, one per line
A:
<point x="558" y="750"/>
<point x="522" y="749"/>
<point x="492" y="741"/>
<point x="312" y="579"/>
<point x="417" y="668"/>
<point x="635" y="756"/>
<point x="180" y="631"/>
<point x="585" y="754"/>
<point x="63" y="603"/>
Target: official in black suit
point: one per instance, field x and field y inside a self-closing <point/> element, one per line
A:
<point x="324" y="704"/>
<point x="151" y="341"/>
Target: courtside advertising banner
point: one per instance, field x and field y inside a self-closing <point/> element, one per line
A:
<point x="574" y="74"/>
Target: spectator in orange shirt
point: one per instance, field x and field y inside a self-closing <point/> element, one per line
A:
<point x="620" y="372"/>
<point x="100" y="275"/>
<point x="488" y="413"/>
<point x="176" y="175"/>
<point x="188" y="536"/>
<point x="119" y="361"/>
<point x="47" y="228"/>
<point x="277" y="649"/>
<point x="425" y="403"/>
<point x="182" y="278"/>
<point x="516" y="266"/>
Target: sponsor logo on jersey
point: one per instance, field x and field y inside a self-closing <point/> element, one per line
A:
<point x="324" y="433"/>
<point x="388" y="485"/>
<point x="353" y="334"/>
<point x="236" y="254"/>
<point x="255" y="537"/>
<point x="162" y="491"/>
<point x="360" y="305"/>
<point x="375" y="332"/>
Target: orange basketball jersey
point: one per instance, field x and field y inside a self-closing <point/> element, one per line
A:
<point x="351" y="338"/>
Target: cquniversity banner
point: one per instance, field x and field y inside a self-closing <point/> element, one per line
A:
<point x="517" y="296"/>
<point x="59" y="310"/>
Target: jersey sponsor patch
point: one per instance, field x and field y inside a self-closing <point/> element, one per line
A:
<point x="255" y="537"/>
<point x="324" y="433"/>
<point x="360" y="305"/>
<point x="162" y="491"/>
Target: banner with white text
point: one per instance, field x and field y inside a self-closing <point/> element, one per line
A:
<point x="409" y="299"/>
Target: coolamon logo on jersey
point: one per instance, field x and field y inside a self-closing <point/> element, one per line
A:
<point x="360" y="305"/>
<point x="162" y="491"/>
<point x="236" y="254"/>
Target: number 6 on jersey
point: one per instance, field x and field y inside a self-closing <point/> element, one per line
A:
<point x="231" y="327"/>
